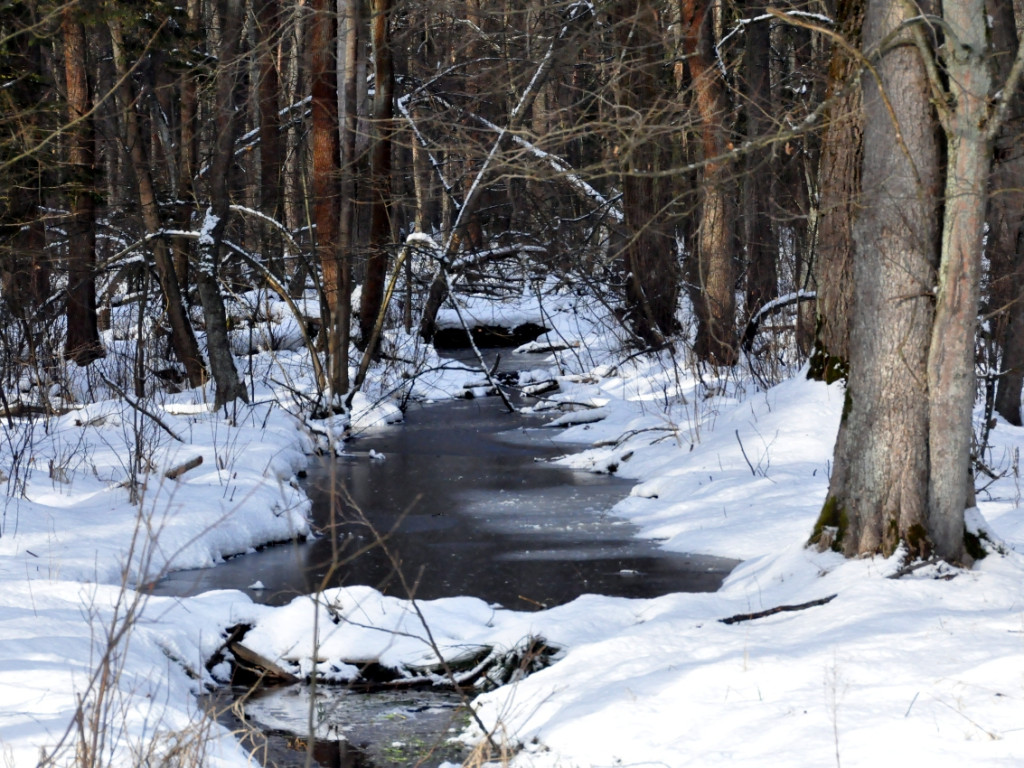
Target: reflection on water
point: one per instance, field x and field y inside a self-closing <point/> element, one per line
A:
<point x="383" y="730"/>
<point x="463" y="507"/>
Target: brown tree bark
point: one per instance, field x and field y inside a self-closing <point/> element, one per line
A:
<point x="1006" y="224"/>
<point x="839" y="184"/>
<point x="182" y="336"/>
<point x="82" y="342"/>
<point x="380" y="170"/>
<point x="326" y="197"/>
<point x="652" y="285"/>
<point x="222" y="365"/>
<point x="758" y="236"/>
<point x="712" y="271"/>
<point x="878" y="492"/>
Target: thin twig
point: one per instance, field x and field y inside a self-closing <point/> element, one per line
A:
<point x="743" y="451"/>
<point x="141" y="409"/>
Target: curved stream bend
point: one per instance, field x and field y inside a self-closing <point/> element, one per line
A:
<point x="467" y="509"/>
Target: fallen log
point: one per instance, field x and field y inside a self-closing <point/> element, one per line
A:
<point x="777" y="609"/>
<point x="260" y="665"/>
<point x="175" y="472"/>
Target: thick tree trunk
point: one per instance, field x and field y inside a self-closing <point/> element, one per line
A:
<point x="839" y="180"/>
<point x="878" y="494"/>
<point x="839" y="183"/>
<point x="380" y="171"/>
<point x="713" y="272"/>
<point x="83" y="341"/>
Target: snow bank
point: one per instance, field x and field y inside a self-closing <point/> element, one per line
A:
<point x="927" y="668"/>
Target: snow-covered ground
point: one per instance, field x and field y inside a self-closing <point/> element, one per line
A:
<point x="927" y="668"/>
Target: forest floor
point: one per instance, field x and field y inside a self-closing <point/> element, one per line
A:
<point x="875" y="665"/>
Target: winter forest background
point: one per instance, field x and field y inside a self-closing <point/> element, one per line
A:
<point x="739" y="190"/>
<point x="685" y="164"/>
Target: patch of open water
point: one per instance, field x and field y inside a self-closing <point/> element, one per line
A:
<point x="466" y="503"/>
<point x="467" y="506"/>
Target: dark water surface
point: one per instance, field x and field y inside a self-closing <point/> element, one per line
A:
<point x="464" y="504"/>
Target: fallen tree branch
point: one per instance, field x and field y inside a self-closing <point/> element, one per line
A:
<point x="771" y="308"/>
<point x="137" y="405"/>
<point x="175" y="472"/>
<point x="777" y="609"/>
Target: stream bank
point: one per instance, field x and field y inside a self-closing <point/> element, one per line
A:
<point x="459" y="500"/>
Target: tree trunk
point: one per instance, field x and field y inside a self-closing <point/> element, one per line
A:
<point x="353" y="44"/>
<point x="652" y="286"/>
<point x="878" y="493"/>
<point x="380" y="171"/>
<point x="83" y="341"/>
<point x="222" y="365"/>
<point x="182" y="336"/>
<point x="271" y="141"/>
<point x="1006" y="225"/>
<point x="951" y="377"/>
<point x="761" y="250"/>
<point x="326" y="209"/>
<point x="188" y="151"/>
<point x="712" y="269"/>
<point x="839" y="185"/>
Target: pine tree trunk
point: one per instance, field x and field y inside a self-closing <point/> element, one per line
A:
<point x="326" y="209"/>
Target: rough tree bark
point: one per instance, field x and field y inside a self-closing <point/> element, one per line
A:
<point x="839" y="186"/>
<point x="182" y="336"/>
<point x="83" y="341"/>
<point x="878" y="493"/>
<point x="380" y="170"/>
<point x="218" y="346"/>
<point x="902" y="464"/>
<point x="652" y="285"/>
<point x="712" y="271"/>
